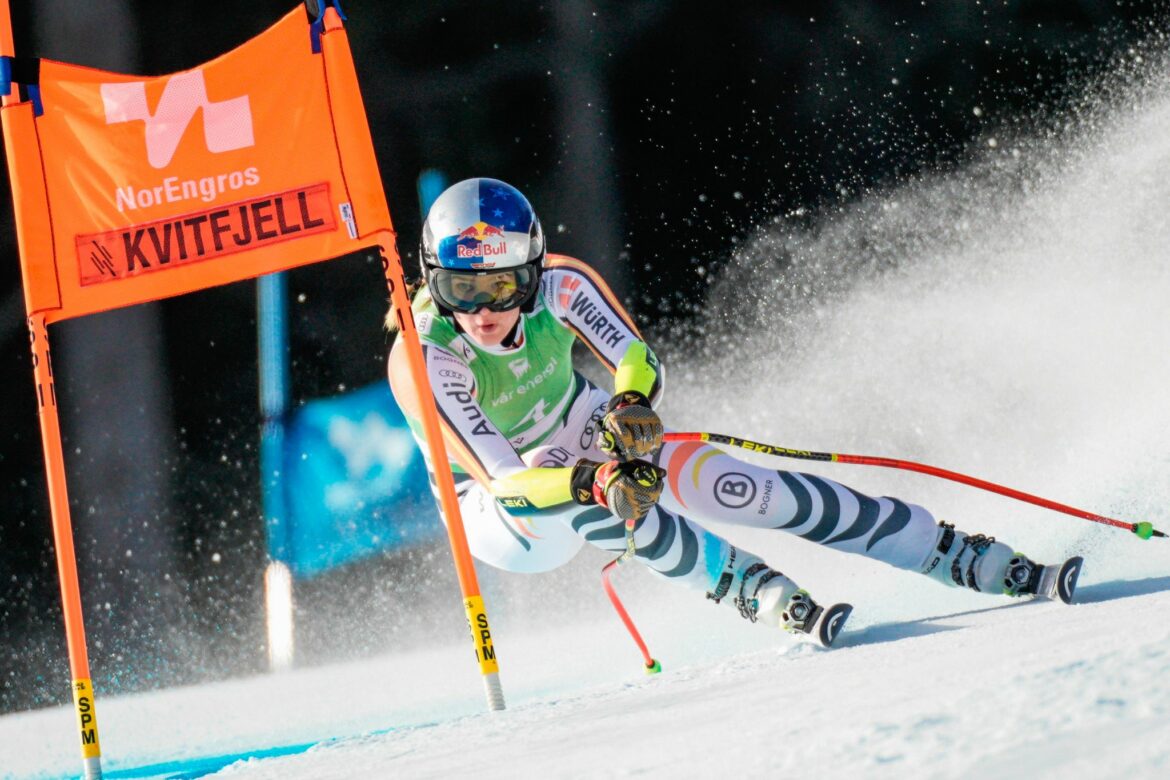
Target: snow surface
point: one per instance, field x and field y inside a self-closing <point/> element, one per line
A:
<point x="1030" y="689"/>
<point x="1012" y="324"/>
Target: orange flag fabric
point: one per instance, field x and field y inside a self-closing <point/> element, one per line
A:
<point x="131" y="189"/>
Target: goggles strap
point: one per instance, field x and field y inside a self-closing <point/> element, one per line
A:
<point x="509" y="340"/>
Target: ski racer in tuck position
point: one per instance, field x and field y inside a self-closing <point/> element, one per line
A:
<point x="544" y="461"/>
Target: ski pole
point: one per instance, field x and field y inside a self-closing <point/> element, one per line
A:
<point x="651" y="666"/>
<point x="1143" y="530"/>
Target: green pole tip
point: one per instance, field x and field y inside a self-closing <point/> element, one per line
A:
<point x="653" y="667"/>
<point x="1145" y="530"/>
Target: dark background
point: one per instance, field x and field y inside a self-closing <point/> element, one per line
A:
<point x="650" y="136"/>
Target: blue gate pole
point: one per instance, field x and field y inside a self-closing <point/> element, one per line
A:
<point x="275" y="384"/>
<point x="431" y="184"/>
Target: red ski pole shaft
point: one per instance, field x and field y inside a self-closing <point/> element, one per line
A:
<point x="1143" y="530"/>
<point x="651" y="664"/>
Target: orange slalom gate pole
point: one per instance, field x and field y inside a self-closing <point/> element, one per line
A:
<point x="7" y="47"/>
<point x="477" y="620"/>
<point x="83" y="698"/>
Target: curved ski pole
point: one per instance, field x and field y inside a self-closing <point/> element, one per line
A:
<point x="651" y="665"/>
<point x="1143" y="530"/>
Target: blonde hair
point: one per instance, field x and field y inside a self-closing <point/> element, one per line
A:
<point x="412" y="291"/>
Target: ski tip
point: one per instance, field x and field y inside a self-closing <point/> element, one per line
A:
<point x="1066" y="580"/>
<point x="832" y="622"/>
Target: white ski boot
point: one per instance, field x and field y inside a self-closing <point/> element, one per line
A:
<point x="980" y="563"/>
<point x="797" y="613"/>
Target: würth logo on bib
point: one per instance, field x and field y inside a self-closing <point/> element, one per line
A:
<point x="227" y="124"/>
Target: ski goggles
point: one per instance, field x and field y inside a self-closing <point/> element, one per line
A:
<point x="494" y="290"/>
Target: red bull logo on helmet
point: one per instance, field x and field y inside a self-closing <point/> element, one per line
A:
<point x="482" y="241"/>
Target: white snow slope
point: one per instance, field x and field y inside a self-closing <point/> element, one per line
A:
<point x="1014" y="325"/>
<point x="1033" y="690"/>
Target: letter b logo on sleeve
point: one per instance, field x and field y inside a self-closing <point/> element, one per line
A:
<point x="227" y="124"/>
<point x="734" y="490"/>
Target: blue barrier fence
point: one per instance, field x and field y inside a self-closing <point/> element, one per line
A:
<point x="342" y="477"/>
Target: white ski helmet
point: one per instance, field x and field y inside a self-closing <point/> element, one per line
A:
<point x="482" y="247"/>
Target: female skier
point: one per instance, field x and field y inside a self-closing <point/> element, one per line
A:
<point x="544" y="461"/>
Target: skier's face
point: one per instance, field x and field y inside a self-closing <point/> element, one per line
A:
<point x="488" y="328"/>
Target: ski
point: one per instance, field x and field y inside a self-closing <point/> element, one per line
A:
<point x="832" y="622"/>
<point x="826" y="623"/>
<point x="1060" y="582"/>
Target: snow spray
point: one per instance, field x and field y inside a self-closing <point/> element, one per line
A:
<point x="1007" y="318"/>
